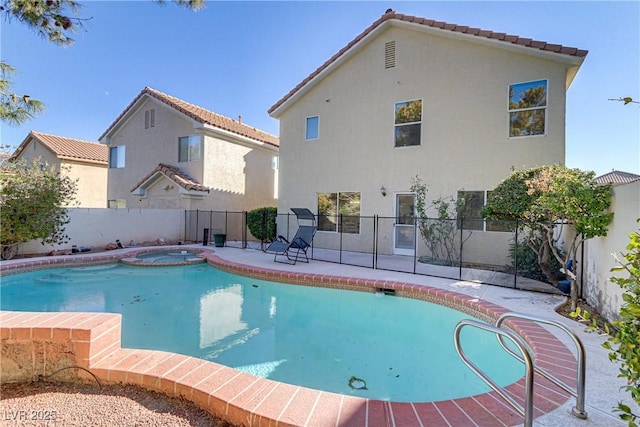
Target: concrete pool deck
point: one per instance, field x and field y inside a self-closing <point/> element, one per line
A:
<point x="602" y="392"/>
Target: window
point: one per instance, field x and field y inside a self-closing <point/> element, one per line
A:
<point x="150" y="118"/>
<point x="499" y="225"/>
<point x="470" y="204"/>
<point x="408" y="123"/>
<point x="117" y="203"/>
<point x="116" y="157"/>
<point x="527" y="108"/>
<point x="189" y="148"/>
<point x="339" y="212"/>
<point x="312" y="131"/>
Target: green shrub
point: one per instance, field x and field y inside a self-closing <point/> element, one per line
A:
<point x="263" y="231"/>
<point x="625" y="345"/>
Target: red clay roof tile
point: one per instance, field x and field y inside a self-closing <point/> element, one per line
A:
<point x="201" y="115"/>
<point x="617" y="178"/>
<point x="68" y="148"/>
<point x="176" y="175"/>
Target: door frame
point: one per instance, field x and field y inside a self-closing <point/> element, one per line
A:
<point x="396" y="249"/>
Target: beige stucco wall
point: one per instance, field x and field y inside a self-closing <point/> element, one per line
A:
<point x="238" y="172"/>
<point x="465" y="143"/>
<point x="600" y="292"/>
<point x="91" y="181"/>
<point x="91" y="177"/>
<point x="98" y="227"/>
<point x="146" y="148"/>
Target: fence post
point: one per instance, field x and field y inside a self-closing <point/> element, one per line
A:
<point x="581" y="266"/>
<point x="375" y="242"/>
<point x="461" y="242"/>
<point x="415" y="242"/>
<point x="264" y="228"/>
<point x="197" y="225"/>
<point x="340" y="237"/>
<point x="245" y="219"/>
<point x="515" y="259"/>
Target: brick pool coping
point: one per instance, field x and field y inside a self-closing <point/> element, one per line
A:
<point x="36" y="344"/>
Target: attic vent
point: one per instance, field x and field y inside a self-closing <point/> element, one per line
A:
<point x="390" y="54"/>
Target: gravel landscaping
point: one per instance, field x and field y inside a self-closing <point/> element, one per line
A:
<point x="82" y="405"/>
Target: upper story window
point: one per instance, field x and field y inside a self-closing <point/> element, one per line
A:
<point x="150" y="118"/>
<point x="189" y="148"/>
<point x="313" y="128"/>
<point x="116" y="157"/>
<point x="339" y="212"/>
<point x="528" y="108"/>
<point x="408" y="123"/>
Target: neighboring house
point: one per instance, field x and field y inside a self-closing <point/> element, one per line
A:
<point x="168" y="153"/>
<point x="83" y="161"/>
<point x="616" y="178"/>
<point x="459" y="107"/>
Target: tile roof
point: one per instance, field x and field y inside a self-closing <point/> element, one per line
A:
<point x="68" y="148"/>
<point x="174" y="174"/>
<point x="201" y="115"/>
<point x="391" y="15"/>
<point x="617" y="178"/>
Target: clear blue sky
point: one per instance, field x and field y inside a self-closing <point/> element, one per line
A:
<point x="239" y="58"/>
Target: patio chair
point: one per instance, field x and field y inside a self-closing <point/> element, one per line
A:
<point x="296" y="249"/>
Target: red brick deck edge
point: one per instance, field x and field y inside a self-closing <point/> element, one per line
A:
<point x="93" y="341"/>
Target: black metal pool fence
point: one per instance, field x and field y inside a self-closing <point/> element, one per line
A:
<point x="472" y="250"/>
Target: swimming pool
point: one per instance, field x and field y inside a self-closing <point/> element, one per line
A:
<point x="348" y="342"/>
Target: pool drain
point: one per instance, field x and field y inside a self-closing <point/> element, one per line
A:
<point x="357" y="383"/>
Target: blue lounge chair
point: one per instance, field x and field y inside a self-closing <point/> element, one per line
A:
<point x="296" y="249"/>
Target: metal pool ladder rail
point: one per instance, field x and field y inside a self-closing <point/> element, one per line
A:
<point x="527" y="410"/>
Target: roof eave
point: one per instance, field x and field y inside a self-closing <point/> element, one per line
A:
<point x="573" y="62"/>
<point x="211" y="129"/>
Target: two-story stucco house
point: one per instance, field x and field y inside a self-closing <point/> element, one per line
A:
<point x="83" y="161"/>
<point x="458" y="107"/>
<point x="168" y="153"/>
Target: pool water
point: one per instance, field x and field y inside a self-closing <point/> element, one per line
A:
<point x="363" y="344"/>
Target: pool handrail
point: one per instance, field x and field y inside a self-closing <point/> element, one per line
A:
<point x="527" y="410"/>
<point x="579" y="393"/>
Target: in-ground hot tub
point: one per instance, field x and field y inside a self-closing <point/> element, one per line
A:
<point x="165" y="258"/>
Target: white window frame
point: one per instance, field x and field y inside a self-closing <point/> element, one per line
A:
<point x="190" y="140"/>
<point x="543" y="108"/>
<point x="120" y="153"/>
<point x="399" y="125"/>
<point x="308" y="136"/>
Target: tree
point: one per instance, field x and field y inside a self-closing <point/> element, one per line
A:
<point x="54" y="20"/>
<point x="15" y="109"/>
<point x="511" y="201"/>
<point x="33" y="197"/>
<point x="625" y="344"/>
<point x="555" y="196"/>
